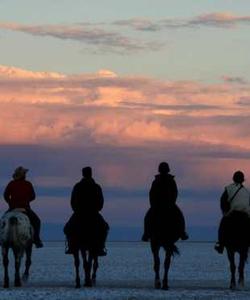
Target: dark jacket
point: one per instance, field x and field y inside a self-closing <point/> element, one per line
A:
<point x="19" y="194"/>
<point x="87" y="197"/>
<point x="163" y="192"/>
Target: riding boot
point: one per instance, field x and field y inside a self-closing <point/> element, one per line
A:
<point x="145" y="237"/>
<point x="147" y="225"/>
<point x="104" y="228"/>
<point x="102" y="252"/>
<point x="36" y="238"/>
<point x="37" y="241"/>
<point x="219" y="247"/>
<point x="184" y="236"/>
<point x="68" y="246"/>
<point x="38" y="244"/>
<point x="36" y="224"/>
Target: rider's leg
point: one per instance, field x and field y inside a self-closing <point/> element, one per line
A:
<point x="36" y="224"/>
<point x="103" y="229"/>
<point x="147" y="225"/>
<point x="219" y="246"/>
<point x="184" y="235"/>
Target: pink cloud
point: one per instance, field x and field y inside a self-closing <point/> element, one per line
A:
<point x="216" y="19"/>
<point x="224" y="19"/>
<point x="44" y="107"/>
<point x="123" y="126"/>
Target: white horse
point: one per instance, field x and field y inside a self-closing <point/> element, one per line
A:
<point x="16" y="233"/>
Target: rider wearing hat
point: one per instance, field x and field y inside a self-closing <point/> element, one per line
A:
<point x="18" y="194"/>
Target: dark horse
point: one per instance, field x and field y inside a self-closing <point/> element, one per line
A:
<point x="85" y="241"/>
<point x="165" y="232"/>
<point x="236" y="238"/>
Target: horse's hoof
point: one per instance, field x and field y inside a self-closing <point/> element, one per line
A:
<point x="232" y="286"/>
<point x="18" y="284"/>
<point x="164" y="285"/>
<point x="93" y="281"/>
<point x="241" y="285"/>
<point x="157" y="284"/>
<point x="6" y="286"/>
<point x="88" y="283"/>
<point x="78" y="284"/>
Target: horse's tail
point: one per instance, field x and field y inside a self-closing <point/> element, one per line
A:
<point x="173" y="250"/>
<point x="13" y="221"/>
<point x="13" y="234"/>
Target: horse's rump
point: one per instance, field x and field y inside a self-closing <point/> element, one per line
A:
<point x="15" y="227"/>
<point x="166" y="227"/>
<point x="235" y="230"/>
<point x="86" y="231"/>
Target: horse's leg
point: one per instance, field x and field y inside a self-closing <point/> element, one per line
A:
<point x="18" y="257"/>
<point x="243" y="258"/>
<point x="77" y="264"/>
<point x="166" y="268"/>
<point x="95" y="267"/>
<point x="231" y="256"/>
<point x="155" y="250"/>
<point x="87" y="269"/>
<point x="28" y="252"/>
<point x="5" y="252"/>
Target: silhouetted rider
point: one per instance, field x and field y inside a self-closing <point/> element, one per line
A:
<point x="234" y="198"/>
<point x="18" y="194"/>
<point x="162" y="197"/>
<point x="86" y="202"/>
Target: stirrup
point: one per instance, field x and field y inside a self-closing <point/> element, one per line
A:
<point x="38" y="244"/>
<point x="67" y="248"/>
<point x="145" y="238"/>
<point x="102" y="252"/>
<point x="219" y="248"/>
<point x="184" y="236"/>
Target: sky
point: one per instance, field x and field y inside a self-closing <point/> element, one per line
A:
<point x="122" y="86"/>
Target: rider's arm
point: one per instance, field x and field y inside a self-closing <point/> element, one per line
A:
<point x="174" y="191"/>
<point x="6" y="193"/>
<point x="100" y="198"/>
<point x="224" y="204"/>
<point x="152" y="194"/>
<point x="32" y="193"/>
<point x="74" y="199"/>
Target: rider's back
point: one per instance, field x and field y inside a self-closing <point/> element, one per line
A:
<point x="163" y="192"/>
<point x="19" y="193"/>
<point x="86" y="197"/>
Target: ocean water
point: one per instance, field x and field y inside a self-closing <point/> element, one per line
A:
<point x="126" y="273"/>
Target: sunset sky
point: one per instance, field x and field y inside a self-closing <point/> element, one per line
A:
<point x="122" y="86"/>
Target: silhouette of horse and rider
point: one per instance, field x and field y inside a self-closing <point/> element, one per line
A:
<point x="234" y="229"/>
<point x="19" y="226"/>
<point x="86" y="231"/>
<point x="164" y="222"/>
